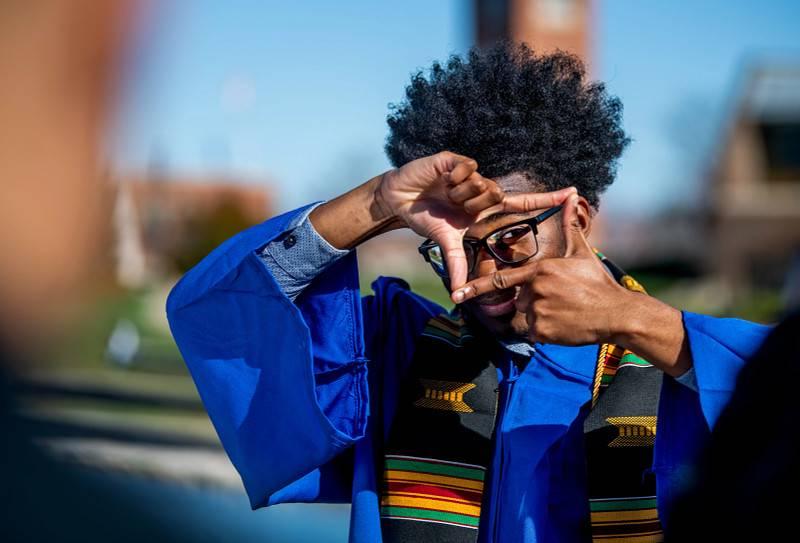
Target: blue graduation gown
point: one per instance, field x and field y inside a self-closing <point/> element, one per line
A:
<point x="294" y="391"/>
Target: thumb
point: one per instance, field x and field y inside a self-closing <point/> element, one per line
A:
<point x="572" y="229"/>
<point x="456" y="261"/>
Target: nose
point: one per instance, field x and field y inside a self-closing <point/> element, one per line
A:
<point x="486" y="264"/>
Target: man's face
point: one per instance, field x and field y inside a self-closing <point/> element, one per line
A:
<point x="497" y="310"/>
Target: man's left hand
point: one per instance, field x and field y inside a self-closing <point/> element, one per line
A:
<point x="570" y="300"/>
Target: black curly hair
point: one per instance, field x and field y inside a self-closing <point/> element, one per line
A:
<point x="514" y="112"/>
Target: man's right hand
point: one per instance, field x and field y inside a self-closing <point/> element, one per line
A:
<point x="438" y="197"/>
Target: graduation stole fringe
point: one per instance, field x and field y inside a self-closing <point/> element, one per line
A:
<point x="439" y="447"/>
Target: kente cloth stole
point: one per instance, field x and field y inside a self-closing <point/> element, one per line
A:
<point x="619" y="434"/>
<point x="439" y="447"/>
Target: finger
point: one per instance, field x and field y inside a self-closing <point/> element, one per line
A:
<point x="447" y="160"/>
<point x="464" y="167"/>
<point x="575" y="241"/>
<point x="472" y="187"/>
<point x="489" y="198"/>
<point x="531" y="201"/>
<point x="531" y="335"/>
<point x="524" y="298"/>
<point x="499" y="280"/>
<point x="456" y="261"/>
<point x="530" y="320"/>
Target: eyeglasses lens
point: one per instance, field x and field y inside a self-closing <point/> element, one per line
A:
<point x="436" y="259"/>
<point x="513" y="244"/>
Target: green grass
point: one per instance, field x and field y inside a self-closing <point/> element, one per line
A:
<point x="763" y="306"/>
<point x="122" y="415"/>
<point x="82" y="345"/>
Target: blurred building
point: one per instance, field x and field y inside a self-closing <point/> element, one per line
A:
<point x="166" y="225"/>
<point x="545" y="25"/>
<point x="754" y="185"/>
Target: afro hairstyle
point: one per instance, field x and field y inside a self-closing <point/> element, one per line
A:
<point x="514" y="112"/>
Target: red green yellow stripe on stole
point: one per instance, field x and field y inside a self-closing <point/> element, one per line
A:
<point x="617" y="357"/>
<point x="628" y="520"/>
<point x="430" y="490"/>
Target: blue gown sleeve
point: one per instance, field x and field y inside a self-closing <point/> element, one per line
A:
<point x="720" y="347"/>
<point x="284" y="383"/>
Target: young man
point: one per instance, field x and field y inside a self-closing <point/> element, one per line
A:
<point x="523" y="414"/>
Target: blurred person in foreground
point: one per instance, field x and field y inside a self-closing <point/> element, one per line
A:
<point x="742" y="485"/>
<point x="556" y="402"/>
<point x="59" y="64"/>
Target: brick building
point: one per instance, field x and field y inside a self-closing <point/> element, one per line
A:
<point x="754" y="185"/>
<point x="545" y="25"/>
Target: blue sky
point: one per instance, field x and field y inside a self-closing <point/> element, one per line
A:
<point x="297" y="92"/>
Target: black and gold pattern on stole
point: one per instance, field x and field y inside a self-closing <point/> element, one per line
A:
<point x="439" y="447"/>
<point x="620" y="435"/>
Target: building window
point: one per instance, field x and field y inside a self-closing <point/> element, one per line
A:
<point x="782" y="150"/>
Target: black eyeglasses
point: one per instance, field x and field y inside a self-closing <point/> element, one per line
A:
<point x="511" y="244"/>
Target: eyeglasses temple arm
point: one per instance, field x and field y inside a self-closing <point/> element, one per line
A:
<point x="547" y="214"/>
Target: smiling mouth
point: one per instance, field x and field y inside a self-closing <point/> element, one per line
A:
<point x="499" y="304"/>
